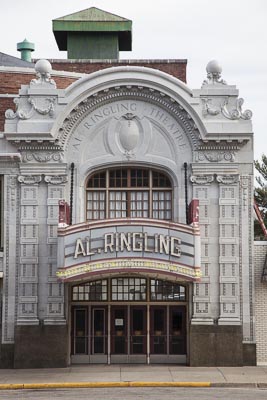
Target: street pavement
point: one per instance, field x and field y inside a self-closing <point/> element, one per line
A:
<point x="142" y="375"/>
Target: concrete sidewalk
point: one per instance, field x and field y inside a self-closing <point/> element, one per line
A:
<point x="133" y="375"/>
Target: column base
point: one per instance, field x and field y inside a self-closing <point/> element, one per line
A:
<point x="218" y="345"/>
<point x="43" y="346"/>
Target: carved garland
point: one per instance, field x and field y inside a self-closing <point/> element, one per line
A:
<point x="23" y="114"/>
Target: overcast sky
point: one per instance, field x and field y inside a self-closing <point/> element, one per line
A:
<point x="231" y="31"/>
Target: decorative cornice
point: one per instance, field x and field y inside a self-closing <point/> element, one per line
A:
<point x="202" y="179"/>
<point x="30" y="179"/>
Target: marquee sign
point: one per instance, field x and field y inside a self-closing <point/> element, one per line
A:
<point x="113" y="246"/>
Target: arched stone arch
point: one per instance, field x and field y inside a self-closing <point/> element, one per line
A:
<point x="106" y="86"/>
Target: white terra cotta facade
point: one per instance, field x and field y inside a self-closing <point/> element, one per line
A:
<point x="128" y="119"/>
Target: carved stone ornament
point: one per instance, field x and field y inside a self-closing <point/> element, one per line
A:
<point x="227" y="179"/>
<point x="42" y="157"/>
<point x="233" y="114"/>
<point x="216" y="156"/>
<point x="30" y="179"/>
<point x="23" y="114"/>
<point x="56" y="179"/>
<point x="214" y="72"/>
<point x="43" y="70"/>
<point x="202" y="179"/>
<point x="135" y="92"/>
<point x="236" y="113"/>
<point x="129" y="134"/>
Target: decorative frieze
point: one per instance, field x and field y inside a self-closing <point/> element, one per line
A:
<point x="215" y="156"/>
<point x="42" y="156"/>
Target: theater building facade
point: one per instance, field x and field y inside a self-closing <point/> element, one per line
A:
<point x="127" y="209"/>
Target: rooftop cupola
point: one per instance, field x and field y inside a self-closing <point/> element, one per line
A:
<point x="26" y="48"/>
<point x="93" y="34"/>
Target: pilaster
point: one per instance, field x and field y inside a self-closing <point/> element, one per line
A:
<point x="29" y="242"/>
<point x="229" y="250"/>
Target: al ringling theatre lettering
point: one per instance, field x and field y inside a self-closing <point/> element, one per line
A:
<point x="169" y="247"/>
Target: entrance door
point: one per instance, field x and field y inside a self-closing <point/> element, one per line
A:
<point x="138" y="334"/>
<point x="99" y="334"/>
<point x="128" y="334"/>
<point x="119" y="331"/>
<point x="158" y="330"/>
<point x="177" y="330"/>
<point x="80" y="331"/>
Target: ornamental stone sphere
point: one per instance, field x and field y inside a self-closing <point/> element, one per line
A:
<point x="213" y="67"/>
<point x="43" y="67"/>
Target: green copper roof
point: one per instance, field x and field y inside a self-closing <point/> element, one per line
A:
<point x="91" y="14"/>
<point x="93" y="20"/>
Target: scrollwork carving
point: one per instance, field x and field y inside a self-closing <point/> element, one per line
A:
<point x="30" y="179"/>
<point x="56" y="179"/>
<point x="42" y="157"/>
<point x="227" y="179"/>
<point x="233" y="114"/>
<point x="236" y="113"/>
<point x="202" y="179"/>
<point x="216" y="156"/>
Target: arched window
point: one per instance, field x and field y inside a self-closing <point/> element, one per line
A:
<point x="129" y="193"/>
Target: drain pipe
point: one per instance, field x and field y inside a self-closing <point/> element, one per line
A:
<point x="71" y="190"/>
<point x="186" y="193"/>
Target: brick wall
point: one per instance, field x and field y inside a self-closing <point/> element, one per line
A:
<point x="10" y="83"/>
<point x="176" y="68"/>
<point x="260" y="250"/>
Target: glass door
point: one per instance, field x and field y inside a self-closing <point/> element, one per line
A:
<point x="119" y="342"/>
<point x="138" y="332"/>
<point x="80" y="331"/>
<point x="99" y="328"/>
<point x="177" y="326"/>
<point x="158" y="326"/>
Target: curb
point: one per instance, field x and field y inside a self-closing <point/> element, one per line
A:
<point x="78" y="385"/>
<point x="72" y="385"/>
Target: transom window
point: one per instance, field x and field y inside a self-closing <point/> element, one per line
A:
<point x="129" y="193"/>
<point x="129" y="289"/>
